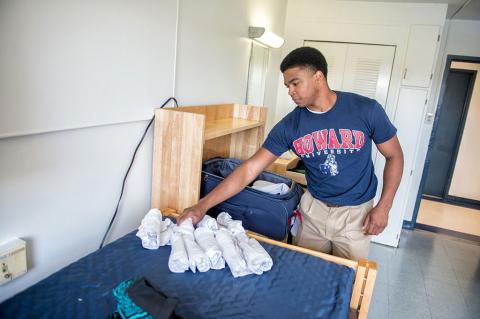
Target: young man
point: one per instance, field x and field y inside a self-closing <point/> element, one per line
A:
<point x="332" y="132"/>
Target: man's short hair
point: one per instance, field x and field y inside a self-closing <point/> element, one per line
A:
<point x="305" y="57"/>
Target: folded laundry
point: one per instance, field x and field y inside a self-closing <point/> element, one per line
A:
<point x="139" y="298"/>
<point x="152" y="300"/>
<point x="257" y="258"/>
<point x="208" y="222"/>
<point x="234" y="226"/>
<point x="165" y="232"/>
<point x="196" y="257"/>
<point x="212" y="244"/>
<point x="153" y="231"/>
<point x="232" y="253"/>
<point x="178" y="260"/>
<point x="271" y="188"/>
<point x="205" y="238"/>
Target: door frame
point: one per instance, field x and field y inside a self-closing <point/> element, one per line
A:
<point x="458" y="140"/>
<point x="456" y="200"/>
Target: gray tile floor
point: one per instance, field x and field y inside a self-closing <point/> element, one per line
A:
<point x="428" y="276"/>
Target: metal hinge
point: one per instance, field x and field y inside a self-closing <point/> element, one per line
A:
<point x="438" y="38"/>
<point x="431" y="76"/>
<point x="426" y="101"/>
<point x="411" y="172"/>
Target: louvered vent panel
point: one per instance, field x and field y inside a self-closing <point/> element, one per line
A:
<point x="366" y="76"/>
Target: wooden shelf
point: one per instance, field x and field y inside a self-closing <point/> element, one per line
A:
<point x="297" y="177"/>
<point x="186" y="136"/>
<point x="222" y="127"/>
<point x="282" y="165"/>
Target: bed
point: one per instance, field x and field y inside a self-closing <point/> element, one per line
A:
<point x="302" y="284"/>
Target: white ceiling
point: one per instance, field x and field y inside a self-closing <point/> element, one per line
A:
<point x="457" y="9"/>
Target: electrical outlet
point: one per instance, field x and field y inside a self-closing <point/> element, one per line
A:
<point x="13" y="260"/>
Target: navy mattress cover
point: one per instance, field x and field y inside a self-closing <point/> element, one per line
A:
<point x="298" y="286"/>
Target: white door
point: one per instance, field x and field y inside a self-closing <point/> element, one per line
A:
<point x="336" y="54"/>
<point x="408" y="118"/>
<point x="422" y="44"/>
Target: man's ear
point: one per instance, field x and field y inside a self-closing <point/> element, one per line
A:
<point x="318" y="76"/>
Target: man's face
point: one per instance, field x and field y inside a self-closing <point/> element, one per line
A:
<point x="303" y="85"/>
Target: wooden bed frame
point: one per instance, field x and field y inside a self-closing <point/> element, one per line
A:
<point x="186" y="136"/>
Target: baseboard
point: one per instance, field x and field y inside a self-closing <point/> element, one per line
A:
<point x="457" y="201"/>
<point x="408" y="224"/>
<point x="448" y="232"/>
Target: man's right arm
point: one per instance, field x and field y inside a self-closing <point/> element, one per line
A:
<point x="230" y="186"/>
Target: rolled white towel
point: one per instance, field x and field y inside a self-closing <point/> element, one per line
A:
<point x="223" y="218"/>
<point x="234" y="226"/>
<point x="258" y="260"/>
<point x="178" y="260"/>
<point x="150" y="228"/>
<point x="166" y="230"/>
<point x="220" y="264"/>
<point x="197" y="259"/>
<point x="205" y="238"/>
<point x="231" y="253"/>
<point x="186" y="227"/>
<point x="208" y="222"/>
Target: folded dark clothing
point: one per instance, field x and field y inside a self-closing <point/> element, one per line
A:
<point x="138" y="298"/>
<point x="152" y="300"/>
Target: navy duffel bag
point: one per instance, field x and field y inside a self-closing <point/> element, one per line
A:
<point x="260" y="212"/>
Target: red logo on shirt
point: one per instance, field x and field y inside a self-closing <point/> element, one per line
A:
<point x="327" y="141"/>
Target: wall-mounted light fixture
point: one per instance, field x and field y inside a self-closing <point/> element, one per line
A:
<point x="265" y="37"/>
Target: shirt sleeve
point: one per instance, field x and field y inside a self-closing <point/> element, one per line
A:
<point x="276" y="141"/>
<point x="382" y="127"/>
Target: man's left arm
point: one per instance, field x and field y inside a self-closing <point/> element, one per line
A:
<point x="377" y="219"/>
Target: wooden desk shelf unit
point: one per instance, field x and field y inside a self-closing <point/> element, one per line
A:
<point x="283" y="167"/>
<point x="186" y="136"/>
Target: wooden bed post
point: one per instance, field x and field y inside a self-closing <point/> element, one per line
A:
<point x="363" y="288"/>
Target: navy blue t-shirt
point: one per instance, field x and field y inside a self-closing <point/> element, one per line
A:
<point x="336" y="147"/>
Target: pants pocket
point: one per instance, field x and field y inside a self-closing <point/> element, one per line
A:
<point x="306" y="203"/>
<point x="355" y="219"/>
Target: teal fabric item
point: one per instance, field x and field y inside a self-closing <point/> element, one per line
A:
<point x="126" y="307"/>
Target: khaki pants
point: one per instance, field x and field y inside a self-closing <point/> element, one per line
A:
<point x="333" y="230"/>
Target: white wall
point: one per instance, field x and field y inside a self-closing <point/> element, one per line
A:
<point x="460" y="37"/>
<point x="213" y="47"/>
<point x="58" y="190"/>
<point x="112" y="60"/>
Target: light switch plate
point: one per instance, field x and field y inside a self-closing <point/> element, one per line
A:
<point x="13" y="260"/>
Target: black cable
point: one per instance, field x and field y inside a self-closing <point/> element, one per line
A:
<point x="130" y="166"/>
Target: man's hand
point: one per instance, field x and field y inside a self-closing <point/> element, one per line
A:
<point x="196" y="213"/>
<point x="376" y="220"/>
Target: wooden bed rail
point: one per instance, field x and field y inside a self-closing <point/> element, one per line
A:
<point x="365" y="271"/>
